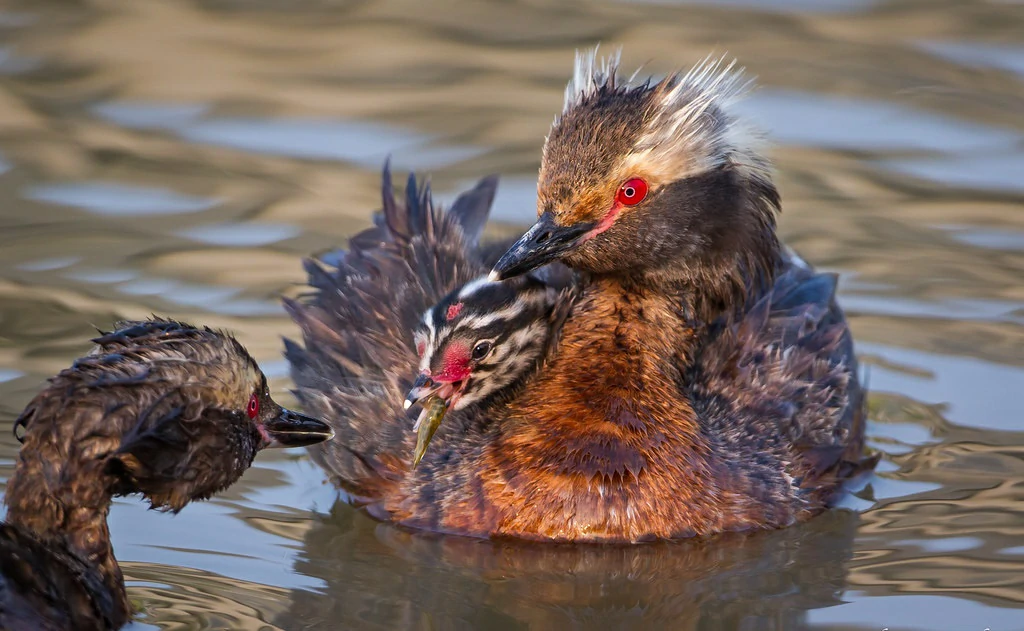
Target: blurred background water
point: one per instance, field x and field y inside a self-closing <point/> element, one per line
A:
<point x="181" y="156"/>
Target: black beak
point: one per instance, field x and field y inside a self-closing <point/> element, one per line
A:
<point x="546" y="241"/>
<point x="291" y="429"/>
<point x="421" y="388"/>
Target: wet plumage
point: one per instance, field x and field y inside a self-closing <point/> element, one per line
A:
<point x="159" y="408"/>
<point x="703" y="381"/>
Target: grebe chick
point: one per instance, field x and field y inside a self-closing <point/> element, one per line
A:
<point x="165" y="409"/>
<point x="483" y="340"/>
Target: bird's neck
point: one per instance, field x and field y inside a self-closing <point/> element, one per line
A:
<point x="649" y="324"/>
<point x="728" y="256"/>
<point x="61" y="496"/>
<point x="710" y="290"/>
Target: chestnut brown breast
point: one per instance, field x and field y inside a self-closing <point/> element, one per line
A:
<point x="602" y="446"/>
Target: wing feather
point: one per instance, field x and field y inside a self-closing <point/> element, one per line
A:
<point x="357" y="358"/>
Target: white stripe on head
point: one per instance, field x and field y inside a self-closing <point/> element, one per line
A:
<point x="474" y="286"/>
<point x="523" y="302"/>
<point x="428" y="321"/>
<point x="429" y="339"/>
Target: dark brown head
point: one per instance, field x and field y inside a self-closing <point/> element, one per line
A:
<point x="160" y="408"/>
<point x="658" y="181"/>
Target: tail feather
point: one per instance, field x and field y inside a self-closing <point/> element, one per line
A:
<point x="392" y="216"/>
<point x="357" y="358"/>
<point x="415" y="215"/>
<point x="472" y="208"/>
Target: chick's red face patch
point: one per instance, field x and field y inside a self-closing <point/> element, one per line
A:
<point x="454" y="364"/>
<point x="454" y="311"/>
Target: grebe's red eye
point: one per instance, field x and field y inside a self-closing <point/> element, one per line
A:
<point x="254" y="406"/>
<point x="633" y="191"/>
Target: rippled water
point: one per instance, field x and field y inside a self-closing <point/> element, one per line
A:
<point x="181" y="157"/>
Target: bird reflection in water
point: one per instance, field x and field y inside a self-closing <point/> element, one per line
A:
<point x="760" y="580"/>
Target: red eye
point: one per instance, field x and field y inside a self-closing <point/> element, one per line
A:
<point x="633" y="191"/>
<point x="254" y="406"/>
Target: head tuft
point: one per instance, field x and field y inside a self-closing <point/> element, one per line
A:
<point x="686" y="124"/>
<point x="693" y="126"/>
<point x="590" y="75"/>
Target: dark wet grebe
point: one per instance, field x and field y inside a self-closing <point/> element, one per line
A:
<point x="159" y="408"/>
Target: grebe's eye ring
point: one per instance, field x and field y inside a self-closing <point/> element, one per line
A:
<point x="632" y="192"/>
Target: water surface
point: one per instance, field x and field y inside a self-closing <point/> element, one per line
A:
<point x="181" y="158"/>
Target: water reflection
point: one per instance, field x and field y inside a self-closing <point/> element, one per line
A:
<point x="918" y="613"/>
<point x="8" y="375"/>
<point x="1003" y="57"/>
<point x="118" y="199"/>
<point x="980" y="400"/>
<point x="359" y="142"/>
<point x="180" y="598"/>
<point x="46" y="265"/>
<point x="13" y="63"/>
<point x="861" y="124"/>
<point x="758" y="581"/>
<point x="800" y="6"/>
<point x="998" y="172"/>
<point x="237" y="234"/>
<point x="102" y="276"/>
<point x="986" y="238"/>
